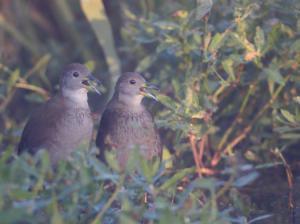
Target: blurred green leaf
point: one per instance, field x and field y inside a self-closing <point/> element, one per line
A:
<point x="295" y="46"/>
<point x="259" y="39"/>
<point x="218" y="41"/>
<point x="112" y="162"/>
<point x="12" y="80"/>
<point x="146" y="63"/>
<point x="176" y="178"/>
<point x="167" y="101"/>
<point x="228" y="67"/>
<point x="272" y="37"/>
<point x="90" y="65"/>
<point x="288" y="116"/>
<point x="166" y="25"/>
<point x="274" y="75"/>
<point x="133" y="160"/>
<point x="129" y="14"/>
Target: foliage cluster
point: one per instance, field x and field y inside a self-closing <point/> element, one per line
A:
<point x="228" y="74"/>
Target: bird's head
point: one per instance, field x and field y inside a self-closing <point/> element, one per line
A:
<point x="133" y="85"/>
<point x="76" y="77"/>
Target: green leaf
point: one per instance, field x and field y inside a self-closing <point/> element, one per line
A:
<point x="129" y="14"/>
<point x="295" y="46"/>
<point x="165" y="25"/>
<point x="290" y="136"/>
<point x="164" y="46"/>
<point x="146" y="63"/>
<point x="176" y="84"/>
<point x="112" y="162"/>
<point x="297" y="99"/>
<point x="274" y="75"/>
<point x="245" y="179"/>
<point x="167" y="156"/>
<point x="297" y="114"/>
<point x="228" y="67"/>
<point x="146" y="168"/>
<point x="242" y="40"/>
<point x="12" y="80"/>
<point x="90" y="65"/>
<point x="125" y="219"/>
<point x="259" y="39"/>
<point x="224" y="83"/>
<point x="133" y="159"/>
<point x="203" y="7"/>
<point x="167" y="101"/>
<point x="288" y="115"/>
<point x="272" y="37"/>
<point x="176" y="178"/>
<point x="218" y="41"/>
<point x="260" y="218"/>
<point x="267" y="165"/>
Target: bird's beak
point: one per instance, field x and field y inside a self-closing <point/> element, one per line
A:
<point x="87" y="84"/>
<point x="144" y="91"/>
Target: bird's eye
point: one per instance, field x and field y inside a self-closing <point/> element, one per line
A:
<point x="75" y="74"/>
<point x="132" y="81"/>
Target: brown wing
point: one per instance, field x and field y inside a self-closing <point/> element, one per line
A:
<point x="103" y="141"/>
<point x="40" y="125"/>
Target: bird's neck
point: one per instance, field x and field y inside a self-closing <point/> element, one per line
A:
<point x="132" y="103"/>
<point x="76" y="98"/>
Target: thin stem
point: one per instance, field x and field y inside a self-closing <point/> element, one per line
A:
<point x="206" y="17"/>
<point x="233" y="85"/>
<point x="216" y="157"/>
<point x="110" y="201"/>
<point x="195" y="154"/>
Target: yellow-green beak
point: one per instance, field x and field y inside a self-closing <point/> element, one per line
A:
<point x="144" y="92"/>
<point x="88" y="85"/>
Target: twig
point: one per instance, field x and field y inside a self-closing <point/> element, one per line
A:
<point x="206" y="17"/>
<point x="233" y="85"/>
<point x="110" y="201"/>
<point x="195" y="154"/>
<point x="202" y="142"/>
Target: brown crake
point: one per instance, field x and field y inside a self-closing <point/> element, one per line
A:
<point x="60" y="124"/>
<point x="126" y="122"/>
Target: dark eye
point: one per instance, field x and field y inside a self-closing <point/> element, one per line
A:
<point x="132" y="81"/>
<point x="75" y="74"/>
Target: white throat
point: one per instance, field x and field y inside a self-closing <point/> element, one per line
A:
<point x="77" y="97"/>
<point x="133" y="102"/>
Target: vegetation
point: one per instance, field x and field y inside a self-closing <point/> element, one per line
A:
<point x="228" y="75"/>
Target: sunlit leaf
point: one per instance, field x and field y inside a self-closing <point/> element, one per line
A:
<point x="259" y="39"/>
<point x="165" y="25"/>
<point x="224" y="83"/>
<point x="288" y="115"/>
<point x="146" y="63"/>
<point x="167" y="101"/>
<point x="167" y="156"/>
<point x="218" y="41"/>
<point x="228" y="67"/>
<point x="12" y="80"/>
<point x="129" y="14"/>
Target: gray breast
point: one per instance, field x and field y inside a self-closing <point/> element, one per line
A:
<point x="130" y="129"/>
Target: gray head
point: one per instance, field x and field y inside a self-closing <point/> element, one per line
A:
<point x="76" y="76"/>
<point x="133" y="85"/>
